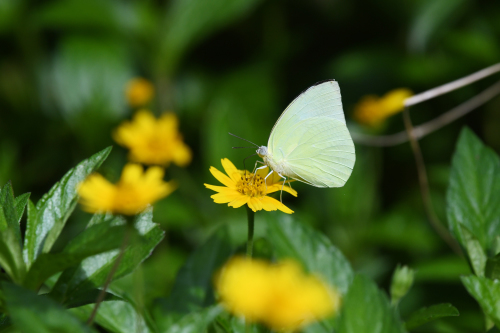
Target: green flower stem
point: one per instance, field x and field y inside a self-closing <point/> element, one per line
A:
<point x="251" y="219"/>
<point x="109" y="278"/>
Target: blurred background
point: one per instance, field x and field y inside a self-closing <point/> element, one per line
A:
<point x="227" y="65"/>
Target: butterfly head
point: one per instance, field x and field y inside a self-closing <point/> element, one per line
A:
<point x="262" y="151"/>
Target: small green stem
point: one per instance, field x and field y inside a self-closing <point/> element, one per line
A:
<point x="251" y="219"/>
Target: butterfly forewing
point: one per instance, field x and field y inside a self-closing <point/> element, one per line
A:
<point x="312" y="139"/>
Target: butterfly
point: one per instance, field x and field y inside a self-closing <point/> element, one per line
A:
<point x="310" y="141"/>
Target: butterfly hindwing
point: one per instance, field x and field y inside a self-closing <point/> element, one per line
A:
<point x="312" y="139"/>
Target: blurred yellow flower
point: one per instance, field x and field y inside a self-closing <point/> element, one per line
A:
<point x="153" y="141"/>
<point x="372" y="110"/>
<point x="278" y="295"/>
<point x="139" y="92"/>
<point x="132" y="194"/>
<point x="243" y="187"/>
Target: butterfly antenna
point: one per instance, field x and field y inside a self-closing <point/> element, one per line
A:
<point x="244" y="167"/>
<point x="241" y="147"/>
<point x="244" y="139"/>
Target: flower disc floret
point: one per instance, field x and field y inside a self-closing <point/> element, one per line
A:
<point x="245" y="188"/>
<point x="251" y="185"/>
<point x="278" y="295"/>
<point x="133" y="193"/>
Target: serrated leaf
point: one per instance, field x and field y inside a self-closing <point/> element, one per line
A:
<point x="475" y="252"/>
<point x="7" y="203"/>
<point x="315" y="252"/>
<point x="93" y="271"/>
<point x="473" y="196"/>
<point x="427" y="314"/>
<point x="33" y="313"/>
<point x="11" y="259"/>
<point x="52" y="211"/>
<point x="94" y="240"/>
<point x="189" y="21"/>
<point x="487" y="294"/>
<point x="366" y="309"/>
<point x="193" y="287"/>
<point x="20" y="203"/>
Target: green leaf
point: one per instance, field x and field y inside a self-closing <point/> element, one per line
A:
<point x="473" y="196"/>
<point x="46" y="222"/>
<point x="86" y="297"/>
<point x="94" y="240"/>
<point x="190" y="21"/>
<point x="33" y="313"/>
<point x="487" y="294"/>
<point x="475" y="252"/>
<point x="193" y="287"/>
<point x="93" y="271"/>
<point x="366" y="309"/>
<point x="11" y="259"/>
<point x="195" y="322"/>
<point x="493" y="268"/>
<point x="312" y="249"/>
<point x="427" y="314"/>
<point x="20" y="203"/>
<point x="7" y="203"/>
<point x="115" y="316"/>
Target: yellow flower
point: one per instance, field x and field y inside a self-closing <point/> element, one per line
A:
<point x="372" y="110"/>
<point x="278" y="295"/>
<point x="139" y="92"/>
<point x="131" y="195"/>
<point x="243" y="187"/>
<point x="153" y="141"/>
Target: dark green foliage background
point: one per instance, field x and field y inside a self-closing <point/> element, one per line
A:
<point x="234" y="66"/>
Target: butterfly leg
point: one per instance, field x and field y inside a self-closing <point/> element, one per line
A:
<point x="265" y="179"/>
<point x="255" y="166"/>
<point x="255" y="169"/>
<point x="282" y="186"/>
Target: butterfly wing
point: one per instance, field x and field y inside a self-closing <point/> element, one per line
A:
<point x="312" y="140"/>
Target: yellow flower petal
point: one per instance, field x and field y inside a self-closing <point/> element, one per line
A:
<point x="278" y="187"/>
<point x="276" y="204"/>
<point x="243" y="187"/>
<point x="135" y="191"/>
<point x="372" y="110"/>
<point x="230" y="169"/>
<point x="217" y="188"/>
<point x="239" y="201"/>
<point x="221" y="177"/>
<point x="153" y="141"/>
<point x="225" y="197"/>
<point x="279" y="295"/>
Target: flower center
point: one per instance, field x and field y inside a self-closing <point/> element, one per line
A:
<point x="251" y="185"/>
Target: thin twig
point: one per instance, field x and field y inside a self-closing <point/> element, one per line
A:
<point x="424" y="186"/>
<point x="454" y="85"/>
<point x="111" y="273"/>
<point x="430" y="126"/>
